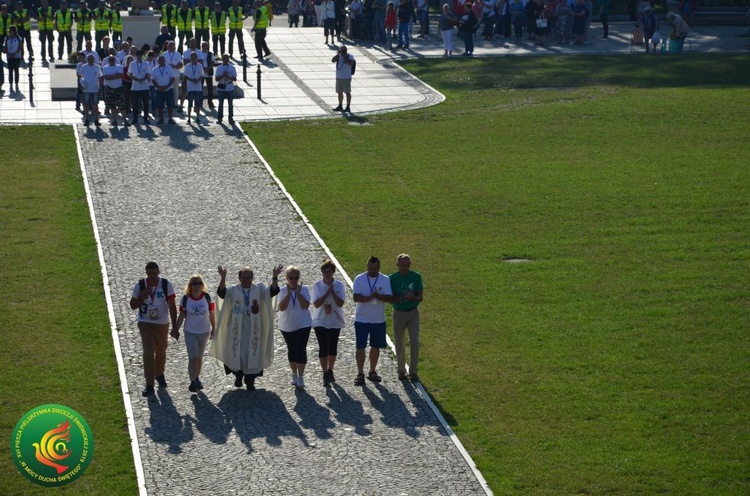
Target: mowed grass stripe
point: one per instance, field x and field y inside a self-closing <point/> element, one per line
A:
<point x="615" y="361"/>
<point x="57" y="343"/>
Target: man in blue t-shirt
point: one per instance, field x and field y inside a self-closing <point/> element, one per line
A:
<point x="407" y="294"/>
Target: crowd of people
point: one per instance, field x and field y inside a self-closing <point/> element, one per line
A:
<point x="143" y="81"/>
<point x="241" y="332"/>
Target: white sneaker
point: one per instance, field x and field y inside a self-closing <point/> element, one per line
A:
<point x="300" y="382"/>
<point x="294" y="379"/>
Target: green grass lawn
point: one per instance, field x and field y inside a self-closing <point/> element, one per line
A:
<point x="616" y="360"/>
<point x="57" y="346"/>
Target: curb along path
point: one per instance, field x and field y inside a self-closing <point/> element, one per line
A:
<point x="191" y="201"/>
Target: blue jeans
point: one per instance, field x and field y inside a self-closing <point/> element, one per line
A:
<point x="229" y="97"/>
<point x="468" y="41"/>
<point x="380" y="26"/>
<point x="403" y="34"/>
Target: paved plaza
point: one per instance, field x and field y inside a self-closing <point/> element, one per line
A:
<point x="195" y="197"/>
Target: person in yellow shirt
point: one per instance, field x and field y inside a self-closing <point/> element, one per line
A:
<point x="116" y="23"/>
<point x="45" y="19"/>
<point x="102" y="23"/>
<point x="235" y="27"/>
<point x="22" y="21"/>
<point x="83" y="18"/>
<point x="169" y="17"/>
<point x="218" y="28"/>
<point x="261" y="25"/>
<point x="202" y="17"/>
<point x="184" y="24"/>
<point x="63" y="26"/>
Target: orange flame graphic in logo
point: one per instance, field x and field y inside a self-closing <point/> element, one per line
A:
<point x="53" y="448"/>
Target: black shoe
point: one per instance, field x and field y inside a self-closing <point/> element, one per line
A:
<point x="86" y="122"/>
<point x="97" y="124"/>
<point x="161" y="381"/>
<point x="250" y="383"/>
<point x="347" y="110"/>
<point x="327" y="378"/>
<point x="149" y="391"/>
<point x="192" y="387"/>
<point x="331" y="377"/>
<point x="238" y="381"/>
<point x="339" y="109"/>
<point x="198" y="383"/>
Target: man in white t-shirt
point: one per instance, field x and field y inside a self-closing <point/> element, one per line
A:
<point x="193" y="74"/>
<point x="89" y="80"/>
<point x="226" y="75"/>
<point x="345" y="66"/>
<point x="174" y="60"/>
<point x="139" y="71"/>
<point x="90" y="51"/>
<point x="154" y="298"/>
<point x="114" y="93"/>
<point x="163" y="78"/>
<point x="192" y="48"/>
<point x="372" y="290"/>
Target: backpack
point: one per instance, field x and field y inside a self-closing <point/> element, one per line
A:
<point x="142" y="284"/>
<point x="183" y="302"/>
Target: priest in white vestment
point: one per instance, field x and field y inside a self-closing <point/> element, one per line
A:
<point x="244" y="332"/>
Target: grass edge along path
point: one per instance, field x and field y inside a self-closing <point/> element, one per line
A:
<point x="595" y="368"/>
<point x="58" y="338"/>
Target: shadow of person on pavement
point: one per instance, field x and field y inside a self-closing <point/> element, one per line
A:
<point x="260" y="414"/>
<point x="209" y="420"/>
<point x="348" y="410"/>
<point x="394" y="412"/>
<point x="313" y="415"/>
<point x="167" y="426"/>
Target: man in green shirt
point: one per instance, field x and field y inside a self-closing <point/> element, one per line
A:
<point x="407" y="294"/>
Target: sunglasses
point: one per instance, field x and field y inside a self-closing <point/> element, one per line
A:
<point x="196" y="283"/>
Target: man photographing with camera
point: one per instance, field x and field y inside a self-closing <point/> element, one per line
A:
<point x="345" y="67"/>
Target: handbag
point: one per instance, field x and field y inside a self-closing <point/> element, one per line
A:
<point x="541" y="22"/>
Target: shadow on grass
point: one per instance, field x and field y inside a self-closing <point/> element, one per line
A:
<point x="450" y="419"/>
<point x="356" y="119"/>
<point x="576" y="71"/>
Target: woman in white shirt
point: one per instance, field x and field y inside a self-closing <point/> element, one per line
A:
<point x="295" y="323"/>
<point x="14" y="50"/>
<point x="198" y="313"/>
<point x="328" y="318"/>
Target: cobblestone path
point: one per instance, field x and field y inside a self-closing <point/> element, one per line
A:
<point x="191" y="201"/>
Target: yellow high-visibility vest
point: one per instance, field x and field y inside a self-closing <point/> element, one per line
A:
<point x="64" y="20"/>
<point x="218" y="22"/>
<point x="83" y="20"/>
<point x="235" y="18"/>
<point x="116" y="21"/>
<point x="102" y="18"/>
<point x="24" y="14"/>
<point x="48" y="23"/>
<point x="5" y="23"/>
<point x="184" y="20"/>
<point x="169" y="16"/>
<point x="263" y="19"/>
<point x="202" y="17"/>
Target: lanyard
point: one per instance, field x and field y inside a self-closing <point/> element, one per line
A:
<point x="293" y="295"/>
<point x="246" y="295"/>
<point x="374" y="283"/>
